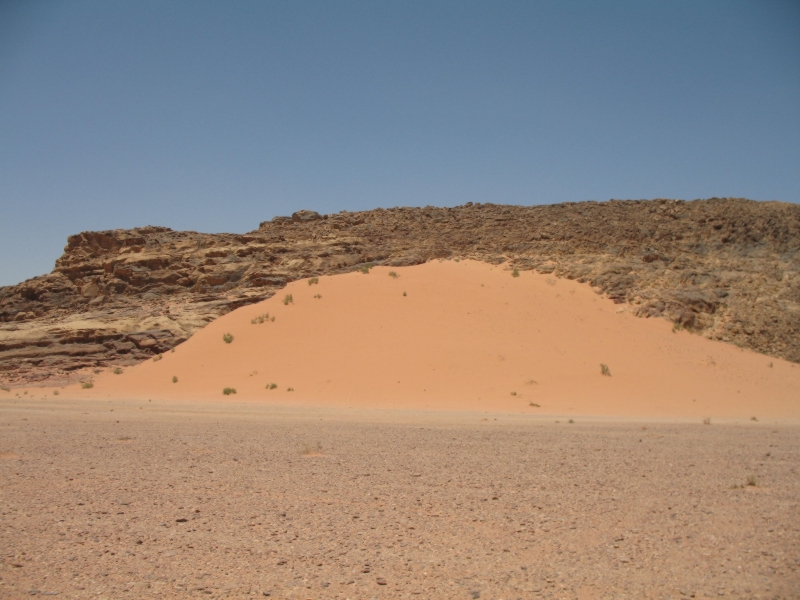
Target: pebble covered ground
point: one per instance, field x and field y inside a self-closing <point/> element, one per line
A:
<point x="131" y="500"/>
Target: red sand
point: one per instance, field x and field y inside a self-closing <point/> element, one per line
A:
<point x="467" y="336"/>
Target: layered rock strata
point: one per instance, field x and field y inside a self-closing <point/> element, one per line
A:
<point x="728" y="269"/>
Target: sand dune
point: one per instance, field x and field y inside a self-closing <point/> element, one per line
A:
<point x="461" y="335"/>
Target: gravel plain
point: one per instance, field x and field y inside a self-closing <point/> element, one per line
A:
<point x="136" y="499"/>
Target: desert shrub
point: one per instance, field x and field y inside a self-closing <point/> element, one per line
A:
<point x="55" y="392"/>
<point x="287" y="299"/>
<point x="571" y="421"/>
<point x="229" y="391"/>
<point x="97" y="371"/>
<point x="272" y="386"/>
<point x="604" y="370"/>
<point x="4" y="388"/>
<point x="534" y="405"/>
<point x="87" y="385"/>
<point x="117" y="371"/>
<point x="158" y="357"/>
<point x="310" y="450"/>
<point x="706" y="421"/>
<point x="515" y="273"/>
<point x="291" y="389"/>
<point x="365" y="268"/>
<point x="174" y="379"/>
<point x="513" y="393"/>
<point x="313" y="280"/>
<point x="318" y="296"/>
<point x="227" y="338"/>
<point x="393" y="275"/>
<point x="751" y="480"/>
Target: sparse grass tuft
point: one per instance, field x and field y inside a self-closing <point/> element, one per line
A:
<point x="4" y="388"/>
<point x="311" y="451"/>
<point x="604" y="370"/>
<point x="313" y="280"/>
<point x="533" y="404"/>
<point x="707" y="421"/>
<point x="754" y="418"/>
<point x="318" y="296"/>
<point x="55" y="392"/>
<point x="97" y="371"/>
<point x="124" y="438"/>
<point x="117" y="371"/>
<point x="291" y="389"/>
<point x="513" y="393"/>
<point x="752" y="481"/>
<point x="287" y="299"/>
<point x="174" y="379"/>
<point x="158" y="357"/>
<point x="260" y="319"/>
<point x="770" y="365"/>
<point x="393" y="275"/>
<point x="227" y="338"/>
<point x="404" y="294"/>
<point x="272" y="386"/>
<point x="365" y="268"/>
<point x="571" y="421"/>
<point x="515" y="273"/>
<point x="229" y="391"/>
<point x="87" y="385"/>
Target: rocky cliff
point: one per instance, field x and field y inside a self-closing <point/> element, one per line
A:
<point x="727" y="269"/>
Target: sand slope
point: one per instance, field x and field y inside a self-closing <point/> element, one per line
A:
<point x="466" y="336"/>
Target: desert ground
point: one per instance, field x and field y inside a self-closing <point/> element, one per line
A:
<point x="123" y="499"/>
<point x="443" y="432"/>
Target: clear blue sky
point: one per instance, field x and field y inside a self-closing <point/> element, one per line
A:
<point x="214" y="116"/>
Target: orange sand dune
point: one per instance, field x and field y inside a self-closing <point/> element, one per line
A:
<point x="466" y="336"/>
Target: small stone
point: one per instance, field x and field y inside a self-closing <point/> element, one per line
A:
<point x="381" y="581"/>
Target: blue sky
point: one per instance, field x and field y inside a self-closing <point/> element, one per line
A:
<point x="214" y="116"/>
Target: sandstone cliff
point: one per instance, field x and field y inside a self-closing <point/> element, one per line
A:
<point x="727" y="269"/>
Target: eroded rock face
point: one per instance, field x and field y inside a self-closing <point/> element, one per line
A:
<point x="726" y="268"/>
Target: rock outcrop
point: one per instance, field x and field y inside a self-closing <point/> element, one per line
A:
<point x="727" y="268"/>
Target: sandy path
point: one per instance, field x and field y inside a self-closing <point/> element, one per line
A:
<point x="466" y="336"/>
<point x="127" y="500"/>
